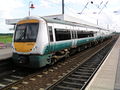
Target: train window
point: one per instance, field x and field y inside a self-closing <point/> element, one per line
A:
<point x="83" y="34"/>
<point x="26" y="32"/>
<point x="32" y="31"/>
<point x="50" y="33"/>
<point x="62" y="34"/>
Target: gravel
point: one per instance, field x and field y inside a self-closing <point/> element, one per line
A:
<point x="48" y="76"/>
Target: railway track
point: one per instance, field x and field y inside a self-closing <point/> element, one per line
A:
<point x="80" y="76"/>
<point x="17" y="76"/>
<point x="10" y="74"/>
<point x="5" y="67"/>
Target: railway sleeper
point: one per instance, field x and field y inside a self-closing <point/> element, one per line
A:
<point x="12" y="78"/>
<point x="73" y="83"/>
<point x="79" y="76"/>
<point x="2" y="85"/>
<point x="88" y="71"/>
<point x="77" y="79"/>
<point x="70" y="85"/>
<point x="91" y="66"/>
<point x="85" y="65"/>
<point x="91" y="61"/>
<point x="5" y="82"/>
<point x="87" y="68"/>
<point x="84" y="68"/>
<point x="82" y="73"/>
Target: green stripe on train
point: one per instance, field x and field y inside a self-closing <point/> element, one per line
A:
<point x="53" y="47"/>
<point x="84" y="41"/>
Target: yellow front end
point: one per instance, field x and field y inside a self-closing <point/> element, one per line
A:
<point x="25" y="40"/>
<point x="26" y="35"/>
<point x="24" y="46"/>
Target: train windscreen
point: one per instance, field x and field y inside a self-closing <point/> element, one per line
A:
<point x="26" y="32"/>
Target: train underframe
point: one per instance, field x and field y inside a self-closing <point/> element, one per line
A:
<point x="37" y="61"/>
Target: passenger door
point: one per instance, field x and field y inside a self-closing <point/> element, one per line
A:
<point x="74" y="41"/>
<point x="51" y="38"/>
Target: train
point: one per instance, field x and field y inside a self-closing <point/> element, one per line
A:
<point x="40" y="41"/>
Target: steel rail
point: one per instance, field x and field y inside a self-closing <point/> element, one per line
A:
<point x="60" y="84"/>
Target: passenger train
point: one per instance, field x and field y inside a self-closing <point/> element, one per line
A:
<point x="39" y="41"/>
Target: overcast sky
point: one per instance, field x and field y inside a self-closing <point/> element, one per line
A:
<point x="108" y="17"/>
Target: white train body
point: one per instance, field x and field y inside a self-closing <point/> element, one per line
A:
<point x="38" y="40"/>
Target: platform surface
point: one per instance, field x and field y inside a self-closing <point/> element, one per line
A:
<point x="5" y="53"/>
<point x="108" y="75"/>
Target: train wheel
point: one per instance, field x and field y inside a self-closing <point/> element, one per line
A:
<point x="67" y="55"/>
<point x="53" y="61"/>
<point x="78" y="49"/>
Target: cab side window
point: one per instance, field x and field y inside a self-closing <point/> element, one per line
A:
<point x="50" y="33"/>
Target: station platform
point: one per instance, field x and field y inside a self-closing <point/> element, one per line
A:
<point x="108" y="75"/>
<point x="5" y="53"/>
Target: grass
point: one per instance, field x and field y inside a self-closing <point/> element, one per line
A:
<point x="5" y="39"/>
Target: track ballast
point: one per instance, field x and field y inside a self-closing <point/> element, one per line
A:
<point x="44" y="76"/>
<point x="81" y="75"/>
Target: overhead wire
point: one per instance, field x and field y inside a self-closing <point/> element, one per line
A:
<point x="71" y="9"/>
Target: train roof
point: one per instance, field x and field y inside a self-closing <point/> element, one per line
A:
<point x="65" y="19"/>
<point x="69" y="20"/>
<point x="62" y="19"/>
<point x="55" y="20"/>
<point x="59" y="21"/>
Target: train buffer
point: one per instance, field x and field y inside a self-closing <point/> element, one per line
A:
<point x="108" y="75"/>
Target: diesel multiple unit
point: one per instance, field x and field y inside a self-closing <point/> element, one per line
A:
<point x="39" y="41"/>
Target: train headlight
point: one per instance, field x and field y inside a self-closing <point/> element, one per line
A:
<point x="35" y="48"/>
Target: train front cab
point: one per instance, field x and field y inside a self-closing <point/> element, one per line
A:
<point x="25" y="45"/>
